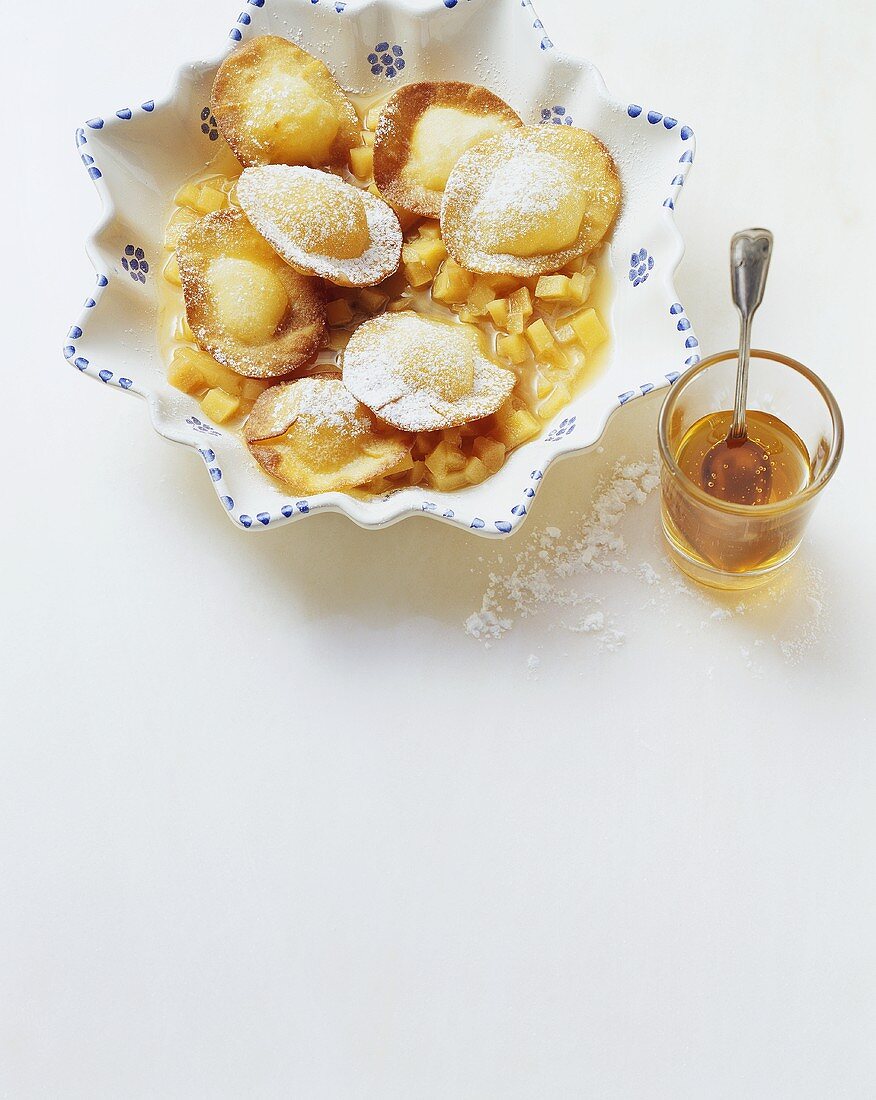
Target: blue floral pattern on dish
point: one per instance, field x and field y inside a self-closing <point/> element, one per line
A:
<point x="387" y="60"/>
<point x="641" y="266"/>
<point x="565" y="427"/>
<point x="556" y="115"/>
<point x="135" y="263"/>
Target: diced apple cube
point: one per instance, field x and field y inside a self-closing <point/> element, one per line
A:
<point x="480" y="296"/>
<point x="210" y="199"/>
<point x="362" y="162"/>
<point x="188" y="196"/>
<point x="371" y="300"/>
<point x="338" y="312"/>
<point x="589" y="328"/>
<point x="367" y="136"/>
<point x="219" y="406"/>
<point x="402" y="466"/>
<point x="475" y="471"/>
<point x="554" y="288"/>
<point x="452" y="283"/>
<point x="450" y="482"/>
<point x="372" y="117"/>
<point x="565" y="334"/>
<point x="540" y="338"/>
<point x="582" y="283"/>
<point x="417" y="274"/>
<point x="519" y="310"/>
<point x="498" y="311"/>
<point x="514" y="348"/>
<point x="490" y="451"/>
<point x="519" y="426"/>
<point x="417" y="472"/>
<point x="560" y="397"/>
<point x="184" y="373"/>
<point x="430" y="229"/>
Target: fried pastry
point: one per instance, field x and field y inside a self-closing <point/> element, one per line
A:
<point x="421" y="374"/>
<point x="314" y="436"/>
<point x="422" y="132"/>
<point x="322" y="225"/>
<point x="529" y="201"/>
<point x="244" y="304"/>
<point x="277" y="104"/>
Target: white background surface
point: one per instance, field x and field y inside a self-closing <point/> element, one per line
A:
<point x="273" y="825"/>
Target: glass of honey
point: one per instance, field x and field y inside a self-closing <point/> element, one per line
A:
<point x="795" y="421"/>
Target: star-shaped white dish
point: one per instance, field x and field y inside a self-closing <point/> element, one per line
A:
<point x="138" y="156"/>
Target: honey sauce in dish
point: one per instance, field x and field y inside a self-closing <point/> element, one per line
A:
<point x="553" y="333"/>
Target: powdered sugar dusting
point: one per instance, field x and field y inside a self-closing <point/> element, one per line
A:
<point x="310" y="404"/>
<point x="378" y="363"/>
<point x="263" y="192"/>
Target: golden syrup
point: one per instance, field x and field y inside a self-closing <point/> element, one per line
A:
<point x="779" y="446"/>
<point x="740" y="541"/>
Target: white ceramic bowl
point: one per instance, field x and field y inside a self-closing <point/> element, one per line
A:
<point x="139" y="154"/>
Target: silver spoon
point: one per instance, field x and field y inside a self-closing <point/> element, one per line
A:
<point x="738" y="469"/>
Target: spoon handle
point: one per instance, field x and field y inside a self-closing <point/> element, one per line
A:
<point x="750" y="252"/>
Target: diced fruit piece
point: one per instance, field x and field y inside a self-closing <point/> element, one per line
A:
<point x="367" y="137"/>
<point x="371" y="300"/>
<point x="417" y="472"/>
<point x="498" y="311"/>
<point x="210" y="199"/>
<point x="449" y="483"/>
<point x="480" y="296"/>
<point x="337" y="339"/>
<point x="467" y="317"/>
<point x="398" y="305"/>
<point x="212" y="374"/>
<point x="452" y="283"/>
<point x="490" y="451"/>
<point x="561" y="397"/>
<point x="417" y="274"/>
<point x="372" y="117"/>
<point x="565" y="334"/>
<point x="540" y="338"/>
<point x="183" y="373"/>
<point x="430" y="229"/>
<point x="252" y="388"/>
<point x="475" y="471"/>
<point x="338" y="312"/>
<point x="362" y="162"/>
<point x="219" y="406"/>
<point x="519" y="310"/>
<point x="179" y="220"/>
<point x="423" y="444"/>
<point x="171" y="271"/>
<point x="554" y="288"/>
<point x="589" y="328"/>
<point x="453" y="436"/>
<point x="433" y="252"/>
<point x="582" y="283"/>
<point x="404" y="464"/>
<point x="445" y="459"/>
<point x="503" y="285"/>
<point x="575" y="265"/>
<point x="514" y="348"/>
<point x="516" y="427"/>
<point x="188" y="195"/>
<point x="543" y="386"/>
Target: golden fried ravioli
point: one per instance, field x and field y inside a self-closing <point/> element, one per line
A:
<point x="422" y="374"/>
<point x="244" y="304"/>
<point x="314" y="436"/>
<point x="423" y="131"/>
<point x="529" y="201"/>
<point x="322" y="225"/>
<point x="276" y="104"/>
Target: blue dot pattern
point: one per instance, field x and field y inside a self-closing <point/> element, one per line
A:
<point x="641" y="266"/>
<point x="556" y="115"/>
<point x="387" y="60"/>
<point x="135" y="263"/>
<point x="209" y="126"/>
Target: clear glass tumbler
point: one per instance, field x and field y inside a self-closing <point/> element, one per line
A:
<point x="737" y="546"/>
